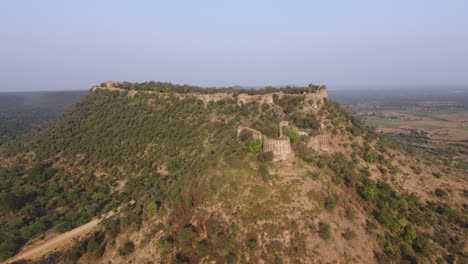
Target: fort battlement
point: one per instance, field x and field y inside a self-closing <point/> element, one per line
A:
<point x="314" y="99"/>
<point x="311" y="94"/>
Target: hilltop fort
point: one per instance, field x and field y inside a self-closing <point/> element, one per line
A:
<point x="311" y="94"/>
<point x="279" y="145"/>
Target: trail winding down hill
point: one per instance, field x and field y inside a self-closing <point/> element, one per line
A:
<point x="42" y="248"/>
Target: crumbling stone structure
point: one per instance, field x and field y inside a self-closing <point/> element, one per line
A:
<point x="280" y="147"/>
<point x="314" y="99"/>
<point x="310" y="99"/>
<point x="255" y="133"/>
<point x="319" y="142"/>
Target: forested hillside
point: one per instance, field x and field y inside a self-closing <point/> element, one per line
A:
<point x="204" y="194"/>
<point x="20" y="112"/>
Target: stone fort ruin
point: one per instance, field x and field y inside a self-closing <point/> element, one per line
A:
<point x="311" y="99"/>
<point x="280" y="147"/>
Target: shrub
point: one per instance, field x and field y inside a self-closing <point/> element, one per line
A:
<point x="152" y="208"/>
<point x="408" y="253"/>
<point x="441" y="193"/>
<point x="437" y="174"/>
<point x="350" y="214"/>
<point x="164" y="245"/>
<point x="112" y="227"/>
<point x="423" y="246"/>
<point x="324" y="230"/>
<point x="416" y="169"/>
<point x="126" y="249"/>
<point x="410" y="234"/>
<point x="370" y="193"/>
<point x="9" y="247"/>
<point x="255" y="146"/>
<point x="330" y="203"/>
<point x="265" y="156"/>
<point x="245" y="135"/>
<point x="63" y="227"/>
<point x="292" y="135"/>
<point x="308" y="120"/>
<point x="263" y="170"/>
<point x="303" y="152"/>
<point x="252" y="244"/>
<point x="231" y="258"/>
<point x="9" y="202"/>
<point x="173" y="165"/>
<point x="186" y="234"/>
<point x="349" y="234"/>
<point x="370" y="157"/>
<point x="131" y="219"/>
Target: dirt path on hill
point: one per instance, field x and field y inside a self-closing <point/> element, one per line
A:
<point x="61" y="241"/>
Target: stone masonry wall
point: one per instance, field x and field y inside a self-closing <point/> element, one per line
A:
<point x="281" y="148"/>
<point x="313" y="98"/>
<point x="255" y="133"/>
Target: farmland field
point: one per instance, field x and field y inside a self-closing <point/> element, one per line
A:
<point x="431" y="119"/>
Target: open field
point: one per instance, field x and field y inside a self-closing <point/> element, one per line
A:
<point x="435" y="120"/>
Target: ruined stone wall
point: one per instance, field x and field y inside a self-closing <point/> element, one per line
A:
<point x="309" y="98"/>
<point x="314" y="98"/>
<point x="319" y="142"/>
<point x="255" y="133"/>
<point x="262" y="99"/>
<point x="281" y="148"/>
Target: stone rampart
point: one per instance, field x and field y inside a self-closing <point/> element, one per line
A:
<point x="313" y="99"/>
<point x="255" y="133"/>
<point x="319" y="142"/>
<point x="281" y="147"/>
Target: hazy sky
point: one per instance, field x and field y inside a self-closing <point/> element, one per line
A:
<point x="60" y="45"/>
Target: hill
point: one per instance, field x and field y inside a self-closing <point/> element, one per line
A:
<point x="277" y="175"/>
<point x="22" y="111"/>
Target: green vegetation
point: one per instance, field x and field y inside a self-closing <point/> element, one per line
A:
<point x="127" y="248"/>
<point x="33" y="196"/>
<point x="292" y="135"/>
<point x="266" y="156"/>
<point x="330" y="203"/>
<point x="186" y="234"/>
<point x="255" y="146"/>
<point x="184" y="89"/>
<point x="122" y="138"/>
<point x="349" y="234"/>
<point x="200" y="191"/>
<point x="400" y="215"/>
<point x="324" y="230"/>
<point x="152" y="208"/>
<point x="21" y="112"/>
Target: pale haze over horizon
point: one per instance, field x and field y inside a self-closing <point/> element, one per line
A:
<point x="65" y="45"/>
